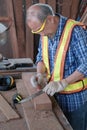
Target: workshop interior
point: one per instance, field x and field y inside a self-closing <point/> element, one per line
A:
<point x="21" y="107"/>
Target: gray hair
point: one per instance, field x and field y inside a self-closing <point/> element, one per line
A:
<point x="45" y="10"/>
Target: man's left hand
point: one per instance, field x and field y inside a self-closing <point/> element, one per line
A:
<point x="54" y="86"/>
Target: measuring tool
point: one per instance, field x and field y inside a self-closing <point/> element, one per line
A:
<point x="32" y="96"/>
<point x="17" y="98"/>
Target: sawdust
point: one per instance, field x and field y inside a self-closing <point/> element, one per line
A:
<point x="42" y="114"/>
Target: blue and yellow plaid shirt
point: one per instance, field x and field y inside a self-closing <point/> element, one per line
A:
<point x="76" y="59"/>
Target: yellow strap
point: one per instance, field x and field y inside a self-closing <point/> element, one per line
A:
<point x="45" y="54"/>
<point x="62" y="49"/>
<point x="75" y="87"/>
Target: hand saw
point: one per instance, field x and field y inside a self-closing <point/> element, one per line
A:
<point x="32" y="96"/>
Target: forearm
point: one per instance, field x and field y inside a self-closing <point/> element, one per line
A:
<point x="76" y="76"/>
<point x="41" y="67"/>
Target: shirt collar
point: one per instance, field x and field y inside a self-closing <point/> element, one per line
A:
<point x="60" y="27"/>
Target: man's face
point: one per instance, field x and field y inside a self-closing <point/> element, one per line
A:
<point x="36" y="25"/>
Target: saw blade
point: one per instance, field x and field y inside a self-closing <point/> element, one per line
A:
<point x="32" y="96"/>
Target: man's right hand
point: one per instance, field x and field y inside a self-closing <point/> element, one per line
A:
<point x="39" y="80"/>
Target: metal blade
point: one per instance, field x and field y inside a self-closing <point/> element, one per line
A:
<point x="32" y="96"/>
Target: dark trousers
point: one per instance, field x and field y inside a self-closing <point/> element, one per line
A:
<point x="78" y="118"/>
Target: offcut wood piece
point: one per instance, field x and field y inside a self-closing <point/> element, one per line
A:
<point x="7" y="109"/>
<point x="37" y="120"/>
<point x="41" y="102"/>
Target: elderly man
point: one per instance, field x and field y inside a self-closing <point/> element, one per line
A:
<point x="62" y="56"/>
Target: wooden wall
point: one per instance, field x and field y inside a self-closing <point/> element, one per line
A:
<point x="21" y="42"/>
<point x="3" y="13"/>
<point x="10" y="49"/>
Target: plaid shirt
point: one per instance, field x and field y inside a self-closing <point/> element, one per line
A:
<point x="76" y="59"/>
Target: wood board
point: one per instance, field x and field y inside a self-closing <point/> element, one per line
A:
<point x="41" y="102"/>
<point x="36" y="119"/>
<point x="7" y="110"/>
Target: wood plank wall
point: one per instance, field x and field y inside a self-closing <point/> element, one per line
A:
<point x="20" y="27"/>
<point x="21" y="42"/>
<point x="6" y="47"/>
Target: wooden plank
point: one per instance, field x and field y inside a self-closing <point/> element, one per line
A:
<point x="4" y="16"/>
<point x="2" y="117"/>
<point x="74" y="9"/>
<point x="40" y="120"/>
<point x="20" y="26"/>
<point x="66" y="6"/>
<point x="18" y="72"/>
<point x="14" y="125"/>
<point x="37" y="120"/>
<point x="21" y="88"/>
<point x="41" y="102"/>
<point x="60" y="116"/>
<point x="52" y="3"/>
<point x="42" y="1"/>
<point x="12" y="30"/>
<point x="22" y="62"/>
<point x="5" y="19"/>
<point x="19" y="65"/>
<point x="29" y="37"/>
<point x="7" y="109"/>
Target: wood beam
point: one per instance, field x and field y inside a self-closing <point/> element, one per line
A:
<point x="13" y="36"/>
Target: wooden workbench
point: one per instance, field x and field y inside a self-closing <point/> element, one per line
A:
<point x="29" y="118"/>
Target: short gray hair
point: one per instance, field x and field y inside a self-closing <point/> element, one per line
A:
<point x="45" y="10"/>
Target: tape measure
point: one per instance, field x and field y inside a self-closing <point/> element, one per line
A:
<point x="16" y="98"/>
<point x="6" y="83"/>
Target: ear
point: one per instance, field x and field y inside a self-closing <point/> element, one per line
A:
<point x="50" y="19"/>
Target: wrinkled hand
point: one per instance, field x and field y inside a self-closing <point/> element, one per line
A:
<point x="54" y="86"/>
<point x="39" y="80"/>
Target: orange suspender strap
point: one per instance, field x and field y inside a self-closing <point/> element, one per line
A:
<point x="62" y="49"/>
<point x="45" y="54"/>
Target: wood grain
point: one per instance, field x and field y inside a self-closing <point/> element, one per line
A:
<point x="7" y="110"/>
